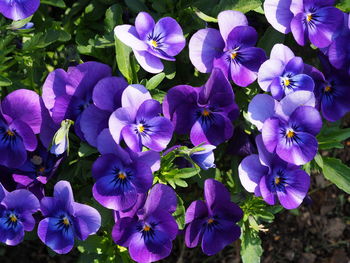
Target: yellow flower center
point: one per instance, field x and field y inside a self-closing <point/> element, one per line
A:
<point x="154" y="43"/>
<point x="286" y="82"/>
<point x="205" y="113"/>
<point x="121" y="176"/>
<point x="13" y="218"/>
<point x="328" y="88"/>
<point x="277" y="180"/>
<point x="309" y="17"/>
<point x="41" y="169"/>
<point x="146" y="228"/>
<point x="210" y="221"/>
<point x="66" y="221"/>
<point x="290" y="134"/>
<point x="10" y="133"/>
<point x="140" y="128"/>
<point x="234" y="55"/>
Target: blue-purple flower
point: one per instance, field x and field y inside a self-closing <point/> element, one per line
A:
<point x="206" y="113"/>
<point x="205" y="158"/>
<point x="314" y="20"/>
<point x="213" y="221"/>
<point x="18" y="9"/>
<point x="138" y="121"/>
<point x="231" y="49"/>
<point x="268" y="176"/>
<point x="149" y="231"/>
<point x="152" y="41"/>
<point x="16" y="214"/>
<point x="283" y="73"/>
<point x="66" y="219"/>
<point x="20" y="120"/>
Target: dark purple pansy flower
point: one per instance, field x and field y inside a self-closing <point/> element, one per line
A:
<point x="317" y="20"/>
<point x="65" y="219"/>
<point x="149" y="233"/>
<point x="36" y="171"/>
<point x="20" y="120"/>
<point x="268" y="176"/>
<point x="16" y="209"/>
<point x="231" y="49"/>
<point x="213" y="221"/>
<point x="283" y="73"/>
<point x="206" y="113"/>
<point x="241" y="143"/>
<point x="332" y="90"/>
<point x="106" y="98"/>
<point x="18" y="9"/>
<point x="152" y="41"/>
<point x="138" y="121"/>
<point x="67" y="94"/>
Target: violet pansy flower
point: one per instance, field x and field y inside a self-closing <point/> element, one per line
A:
<point x="204" y="159"/>
<point x="268" y="176"/>
<point x="152" y="41"/>
<point x="18" y="9"/>
<point x="138" y="121"/>
<point x="20" y="120"/>
<point x="149" y="231"/>
<point x="231" y="49"/>
<point x="213" y="221"/>
<point x="66" y="219"/>
<point x="283" y="73"/>
<point x="16" y="209"/>
<point x="206" y="113"/>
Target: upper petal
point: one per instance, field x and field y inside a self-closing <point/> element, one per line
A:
<point x="129" y="36"/>
<point x="260" y="109"/>
<point x="230" y="19"/>
<point x="278" y="14"/>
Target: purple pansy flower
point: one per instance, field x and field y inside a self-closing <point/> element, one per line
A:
<point x="204" y="159"/>
<point x="283" y="73"/>
<point x="138" y="121"/>
<point x="18" y="9"/>
<point x="152" y="41"/>
<point x="268" y="176"/>
<point x="16" y="209"/>
<point x="206" y="113"/>
<point x="213" y="221"/>
<point x="20" y="120"/>
<point x="317" y="20"/>
<point x="106" y="98"/>
<point x="66" y="219"/>
<point x="332" y="91"/>
<point x="67" y="94"/>
<point x="231" y="49"/>
<point x="288" y="126"/>
<point x="149" y="233"/>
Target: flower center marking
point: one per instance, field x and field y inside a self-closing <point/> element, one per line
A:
<point x="205" y="113"/>
<point x="121" y="176"/>
<point x="10" y="133"/>
<point x="210" y="221"/>
<point x="140" y="128"/>
<point x="154" y="43"/>
<point x="328" y="88"/>
<point x="65" y="221"/>
<point x="277" y="180"/>
<point x="41" y="169"/>
<point x="309" y="17"/>
<point x="290" y="134"/>
<point x="234" y="55"/>
<point x="13" y="218"/>
<point x="146" y="228"/>
<point x="286" y="82"/>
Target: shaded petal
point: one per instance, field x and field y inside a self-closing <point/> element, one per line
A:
<point x="22" y="201"/>
<point x="295" y="65"/>
<point x="194" y="232"/>
<point x="241" y="36"/>
<point x="204" y="159"/>
<point x="59" y="240"/>
<point x="119" y="119"/>
<point x="63" y="192"/>
<point x="266" y="158"/>
<point x="270" y="133"/>
<point x="10" y="235"/>
<point x="148" y="110"/>
<point x="197" y="209"/>
<point x="281" y="52"/>
<point x="276" y="88"/>
<point x="204" y="46"/>
<point x="307" y="119"/>
<point x="267" y="194"/>
<point x="144" y="25"/>
<point x="87" y="220"/>
<point x="299" y="29"/>
<point x="131" y="138"/>
<point x="129" y="36"/>
<point x="107" y="93"/>
<point x="260" y="109"/>
<point x="269" y="70"/>
<point x="151" y="158"/>
<point x="278" y="14"/>
<point x="250" y="172"/>
<point x="123" y="231"/>
<point x="230" y="19"/>
<point x="149" y="62"/>
<point x="26" y="133"/>
<point x="18" y="10"/>
<point x="156" y="197"/>
<point x="215" y="193"/>
<point x="300" y="82"/>
<point x="24" y="105"/>
<point x="134" y="95"/>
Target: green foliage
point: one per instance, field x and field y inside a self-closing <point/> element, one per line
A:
<point x="251" y="249"/>
<point x="337" y="172"/>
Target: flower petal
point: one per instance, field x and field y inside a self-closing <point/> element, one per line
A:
<point x="87" y="220"/>
<point x="260" y="109"/>
<point x="278" y="14"/>
<point x="269" y="70"/>
<point x="230" y="19"/>
<point x="149" y="62"/>
<point x="144" y="25"/>
<point x="129" y="36"/>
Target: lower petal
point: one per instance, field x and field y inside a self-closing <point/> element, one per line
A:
<point x="149" y="62"/>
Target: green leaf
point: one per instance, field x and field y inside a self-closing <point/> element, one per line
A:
<point x="319" y="160"/>
<point x="270" y="38"/>
<point x="330" y="137"/>
<point x="20" y="23"/>
<point x="123" y="59"/>
<point x="136" y="5"/>
<point x="344" y="5"/>
<point x="5" y="82"/>
<point x="251" y="249"/>
<point x="155" y="81"/>
<point x="204" y="17"/>
<point x="113" y="17"/>
<point x="86" y="150"/>
<point x="337" y="172"/>
<point x="179" y="214"/>
<point x="187" y="172"/>
<point x="57" y="3"/>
